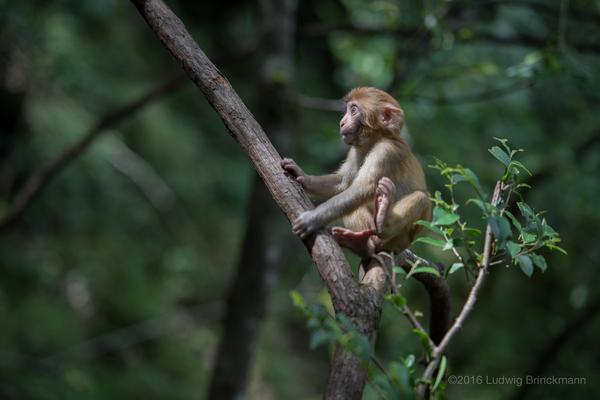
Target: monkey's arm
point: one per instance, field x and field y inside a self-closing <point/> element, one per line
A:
<point x="345" y="202"/>
<point x="334" y="208"/>
<point x="358" y="193"/>
<point x="323" y="186"/>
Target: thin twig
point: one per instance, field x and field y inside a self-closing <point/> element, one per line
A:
<point x="521" y="39"/>
<point x="410" y="315"/>
<point x="437" y="289"/>
<point x="318" y="103"/>
<point x="468" y="306"/>
<point x="470" y="98"/>
<point x="324" y="104"/>
<point x="380" y="366"/>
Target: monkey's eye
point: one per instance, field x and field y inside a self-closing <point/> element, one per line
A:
<point x="354" y="109"/>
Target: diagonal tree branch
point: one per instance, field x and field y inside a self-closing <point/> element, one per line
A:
<point x="38" y="181"/>
<point x="361" y="303"/>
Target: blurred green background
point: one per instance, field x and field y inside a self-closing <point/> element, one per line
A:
<point x="115" y="281"/>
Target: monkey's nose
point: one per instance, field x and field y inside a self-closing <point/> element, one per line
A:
<point x="342" y="123"/>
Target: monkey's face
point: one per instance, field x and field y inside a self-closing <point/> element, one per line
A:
<point x="351" y="123"/>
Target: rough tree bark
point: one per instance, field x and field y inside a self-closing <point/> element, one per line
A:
<point x="262" y="249"/>
<point x="361" y="303"/>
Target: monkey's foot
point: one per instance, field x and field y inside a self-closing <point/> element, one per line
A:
<point x="384" y="194"/>
<point x="360" y="243"/>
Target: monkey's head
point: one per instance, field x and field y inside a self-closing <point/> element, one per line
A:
<point x="370" y="113"/>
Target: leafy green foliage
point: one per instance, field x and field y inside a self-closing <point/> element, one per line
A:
<point x="518" y="238"/>
<point x="328" y="329"/>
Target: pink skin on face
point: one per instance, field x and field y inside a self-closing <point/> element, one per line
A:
<point x="350" y="123"/>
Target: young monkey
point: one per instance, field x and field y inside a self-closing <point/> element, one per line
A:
<point x="379" y="191"/>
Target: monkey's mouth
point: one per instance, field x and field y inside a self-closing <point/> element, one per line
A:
<point x="346" y="137"/>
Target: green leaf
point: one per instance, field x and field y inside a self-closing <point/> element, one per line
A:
<point x="345" y="322"/>
<point x="554" y="247"/>
<point x="399" y="271"/>
<point x="526" y="211"/>
<point x="440" y="374"/>
<point x="424" y="270"/>
<point x="500" y="228"/>
<point x="539" y="226"/>
<point x="520" y="166"/>
<point x="430" y="241"/>
<point x="548" y="230"/>
<point x="444" y="217"/>
<point x="472" y="232"/>
<point x="485" y="207"/>
<point x="504" y="142"/>
<point x="500" y="155"/>
<point x="297" y="299"/>
<point x="449" y="245"/>
<point x="455" y="267"/>
<point x="457" y="178"/>
<point x="525" y="264"/>
<point x="430" y="226"/>
<point x="409" y="361"/>
<point x="466" y="175"/>
<point x="514" y="220"/>
<point x="529" y="237"/>
<point x="424" y="339"/>
<point x="318" y="337"/>
<point x="513" y="248"/>
<point x="396" y="300"/>
<point x="473" y="180"/>
<point x="399" y="375"/>
<point x="361" y="346"/>
<point x="539" y="261"/>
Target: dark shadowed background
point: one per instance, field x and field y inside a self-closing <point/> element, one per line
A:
<point x="139" y="254"/>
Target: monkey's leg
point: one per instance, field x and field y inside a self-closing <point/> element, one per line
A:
<point x="399" y="227"/>
<point x="360" y="242"/>
<point x="384" y="194"/>
<point x="365" y="242"/>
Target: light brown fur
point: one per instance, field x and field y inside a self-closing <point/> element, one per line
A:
<point x="371" y="126"/>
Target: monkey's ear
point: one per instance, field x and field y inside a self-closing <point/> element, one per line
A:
<point x="391" y="116"/>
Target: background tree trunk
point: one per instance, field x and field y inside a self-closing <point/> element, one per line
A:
<point x="262" y="248"/>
